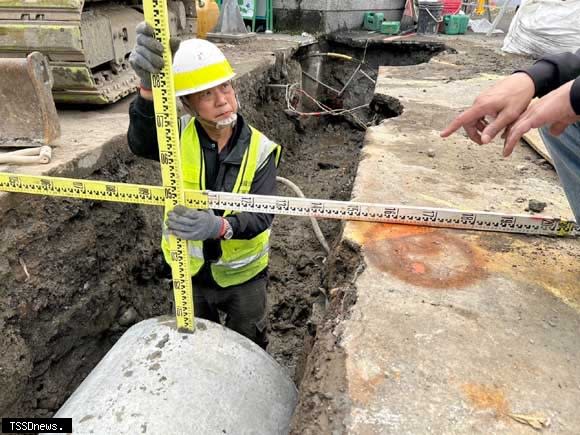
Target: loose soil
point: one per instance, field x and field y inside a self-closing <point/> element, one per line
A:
<point x="323" y="164"/>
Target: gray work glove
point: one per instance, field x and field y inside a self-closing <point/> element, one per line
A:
<point x="147" y="55"/>
<point x="191" y="224"/>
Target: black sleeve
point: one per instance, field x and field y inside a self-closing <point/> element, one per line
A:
<point x="575" y="96"/>
<point x="551" y="72"/>
<point x="142" y="133"/>
<point x="249" y="225"/>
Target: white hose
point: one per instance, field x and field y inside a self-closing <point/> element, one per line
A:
<point x="313" y="221"/>
<point x="24" y="156"/>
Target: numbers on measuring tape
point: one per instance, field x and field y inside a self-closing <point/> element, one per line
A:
<point x="247" y="201"/>
<point x="156" y="14"/>
<point x="156" y="80"/>
<point x="165" y="158"/>
<point x="79" y="187"/>
<point x="317" y="207"/>
<point x="282" y="204"/>
<point x="391" y="213"/>
<point x="566" y="227"/>
<point x="159" y="195"/>
<point x="144" y="192"/>
<point x="467" y="218"/>
<point x="14" y="181"/>
<point x="179" y="284"/>
<point x="508" y="221"/>
<point x="353" y="210"/>
<point x="46" y="183"/>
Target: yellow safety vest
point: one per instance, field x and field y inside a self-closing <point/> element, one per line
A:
<point x="241" y="260"/>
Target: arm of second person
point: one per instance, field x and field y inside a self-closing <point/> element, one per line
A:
<point x="551" y="72"/>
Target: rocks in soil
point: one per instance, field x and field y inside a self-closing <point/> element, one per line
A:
<point x="303" y="262"/>
<point x="536" y="206"/>
<point x="521" y="168"/>
<point x="326" y="166"/>
<point x="128" y="317"/>
<point x="386" y="106"/>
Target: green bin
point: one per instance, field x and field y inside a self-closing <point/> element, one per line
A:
<point x="373" y="20"/>
<point x="464" y="22"/>
<point x="455" y="24"/>
<point x="390" y="27"/>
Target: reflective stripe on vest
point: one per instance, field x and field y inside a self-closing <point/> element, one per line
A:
<point x="244" y="262"/>
<point x="241" y="260"/>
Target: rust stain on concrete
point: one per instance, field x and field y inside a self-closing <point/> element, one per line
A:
<point x="485" y="397"/>
<point x="365" y="379"/>
<point x="422" y="256"/>
<point x="364" y="389"/>
<point x="363" y="232"/>
<point x="434" y="258"/>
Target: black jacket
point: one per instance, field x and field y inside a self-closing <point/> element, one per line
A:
<point x="551" y="72"/>
<point x="221" y="171"/>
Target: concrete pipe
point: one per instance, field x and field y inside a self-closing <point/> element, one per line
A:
<point x="156" y="380"/>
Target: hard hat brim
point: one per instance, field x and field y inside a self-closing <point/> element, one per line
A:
<point x="204" y="87"/>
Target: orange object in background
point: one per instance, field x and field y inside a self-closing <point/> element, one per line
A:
<point x="208" y="13"/>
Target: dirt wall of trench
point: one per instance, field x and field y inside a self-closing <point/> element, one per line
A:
<point x="74" y="274"/>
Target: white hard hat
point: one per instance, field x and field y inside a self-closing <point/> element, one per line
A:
<point x="199" y="65"/>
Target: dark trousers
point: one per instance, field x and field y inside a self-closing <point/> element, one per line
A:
<point x="244" y="306"/>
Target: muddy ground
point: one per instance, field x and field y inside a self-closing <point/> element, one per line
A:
<point x="74" y="275"/>
<point x="323" y="165"/>
<point x="320" y="156"/>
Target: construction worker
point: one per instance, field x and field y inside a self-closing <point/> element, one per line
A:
<point x="556" y="79"/>
<point x="220" y="152"/>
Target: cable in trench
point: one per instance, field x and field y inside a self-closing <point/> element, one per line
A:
<point x="313" y="221"/>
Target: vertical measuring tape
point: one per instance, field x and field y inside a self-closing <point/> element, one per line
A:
<point x="169" y="156"/>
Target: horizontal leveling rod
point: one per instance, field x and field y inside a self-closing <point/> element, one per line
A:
<point x="318" y="208"/>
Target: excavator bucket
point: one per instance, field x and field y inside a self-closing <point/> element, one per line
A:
<point x="27" y="113"/>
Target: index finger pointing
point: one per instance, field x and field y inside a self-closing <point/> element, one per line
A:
<point x="468" y="117"/>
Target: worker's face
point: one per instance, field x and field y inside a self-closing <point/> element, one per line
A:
<point x="217" y="104"/>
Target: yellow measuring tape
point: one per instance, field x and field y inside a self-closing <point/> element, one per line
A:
<point x="169" y="156"/>
<point x="97" y="190"/>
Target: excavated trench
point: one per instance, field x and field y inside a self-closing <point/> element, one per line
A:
<point x="321" y="156"/>
<point x="76" y="274"/>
